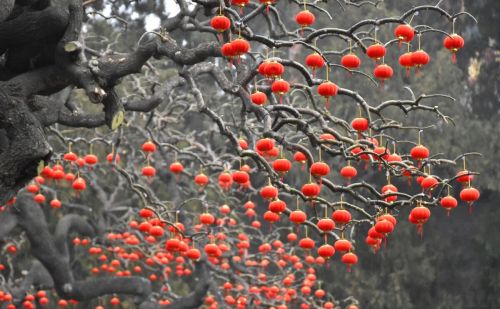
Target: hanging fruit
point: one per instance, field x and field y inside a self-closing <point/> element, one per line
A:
<point x="453" y="43"/>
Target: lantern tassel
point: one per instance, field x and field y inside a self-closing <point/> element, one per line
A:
<point x="453" y="57"/>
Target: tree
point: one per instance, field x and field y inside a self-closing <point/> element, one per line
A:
<point x="198" y="172"/>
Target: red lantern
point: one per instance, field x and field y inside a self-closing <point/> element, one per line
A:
<point x="311" y="189"/>
<point x="282" y="165"/>
<point x="277" y="206"/>
<point x="404" y="33"/>
<point x="240" y="46"/>
<point x="220" y="23"/>
<point x="406" y="61"/>
<point x="383" y="72"/>
<point x="148" y="171"/>
<point x="343" y="245"/>
<point x="273" y="69"/>
<point x="306" y="243"/>
<point x="315" y="62"/>
<point x="453" y="43"/>
<point x="264" y="144"/>
<point x="305" y="18"/>
<point x="320" y="169"/>
<point x="420" y="58"/>
<point x="349" y="259"/>
<point x="448" y="203"/>
<point x="384" y="227"/>
<point x="326" y="251"/>
<point x="280" y="87"/>
<point x="419" y="152"/>
<point x="469" y="195"/>
<point x="360" y="124"/>
<point x="375" y="51"/>
<point x="327" y="89"/>
<point x="348" y="172"/>
<point x="269" y="192"/>
<point x="297" y="217"/>
<point x="326" y="224"/>
<point x="341" y="216"/>
<point x="351" y="61"/>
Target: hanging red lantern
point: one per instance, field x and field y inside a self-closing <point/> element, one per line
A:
<point x="282" y="165"/>
<point x="448" y="202"/>
<point x="264" y="144"/>
<point x="149" y="147"/>
<point x="453" y="43"/>
<point x="240" y="177"/>
<point x="343" y="245"/>
<point x="326" y="251"/>
<point x="383" y="72"/>
<point x="243" y="144"/>
<point x="269" y="192"/>
<point x="384" y="227"/>
<point x="240" y="3"/>
<point x="319" y="169"/>
<point x="420" y="58"/>
<point x="404" y="33"/>
<point x="469" y="195"/>
<point x="297" y="217"/>
<point x="176" y="167"/>
<point x="349" y="259"/>
<point x="360" y="124"/>
<point x="271" y="217"/>
<point x="148" y="171"/>
<point x="240" y="46"/>
<point x="375" y="51"/>
<point x="220" y="23"/>
<point x="280" y="87"/>
<point x="406" y="61"/>
<point x="419" y="152"/>
<point x="351" y="61"/>
<point x="277" y="206"/>
<point x="311" y="189"/>
<point x="388" y="189"/>
<point x="315" y="62"/>
<point x="348" y="172"/>
<point x="341" y="216"/>
<point x="429" y="182"/>
<point x="306" y="243"/>
<point x="305" y="19"/>
<point x="326" y="224"/>
<point x="300" y="157"/>
<point x="274" y="69"/>
<point x="228" y="51"/>
<point x="419" y="215"/>
<point x="327" y="89"/>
